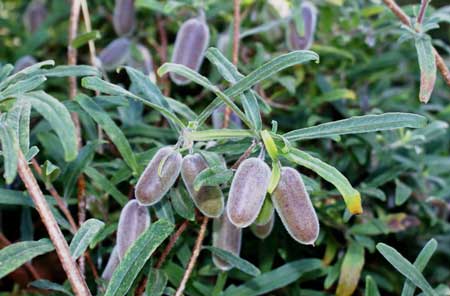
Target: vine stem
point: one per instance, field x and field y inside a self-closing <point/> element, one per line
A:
<point x="404" y="18"/>
<point x="193" y="259"/>
<point x="235" y="55"/>
<point x="62" y="249"/>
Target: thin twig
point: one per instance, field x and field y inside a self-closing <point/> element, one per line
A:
<point x="72" y="60"/>
<point x="244" y="156"/>
<point x="92" y="58"/>
<point x="171" y="244"/>
<point x="194" y="256"/>
<point x="163" y="51"/>
<point x="235" y="54"/>
<point x="4" y="242"/>
<point x="62" y="249"/>
<point x="404" y="18"/>
<point x="423" y="8"/>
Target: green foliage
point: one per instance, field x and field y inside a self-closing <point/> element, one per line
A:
<point x="345" y="113"/>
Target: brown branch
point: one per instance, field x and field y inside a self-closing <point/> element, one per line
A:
<point x="194" y="256"/>
<point x="72" y="60"/>
<point x="62" y="249"/>
<point x="163" y="52"/>
<point x="404" y="18"/>
<point x="244" y="156"/>
<point x="4" y="242"/>
<point x="423" y="8"/>
<point x="235" y="54"/>
<point x="171" y="244"/>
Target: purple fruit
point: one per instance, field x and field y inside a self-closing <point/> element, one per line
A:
<point x="111" y="265"/>
<point x="115" y="54"/>
<point x="293" y="205"/>
<point x="134" y="219"/>
<point x="142" y="60"/>
<point x="227" y="237"/>
<point x="35" y="15"/>
<point x="124" y="18"/>
<point x="190" y="45"/>
<point x="24" y="62"/>
<point x="264" y="230"/>
<point x="152" y="186"/>
<point x="247" y="192"/>
<point x="309" y="18"/>
<point x="218" y="116"/>
<point x="208" y="199"/>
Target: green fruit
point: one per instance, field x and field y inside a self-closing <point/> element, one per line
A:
<point x="294" y="207"/>
<point x="247" y="192"/>
<point x="264" y="230"/>
<point x="159" y="176"/>
<point x="208" y="199"/>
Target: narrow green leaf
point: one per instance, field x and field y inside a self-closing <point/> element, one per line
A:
<point x="402" y="192"/>
<point x="51" y="286"/>
<point x="371" y="287"/>
<point x="136" y="257"/>
<point x="351" y="196"/>
<point x="74" y="169"/>
<point x="10" y="148"/>
<point x="58" y="117"/>
<point x="275" y="279"/>
<point x="218" y="134"/>
<point x="84" y="236"/>
<point x="18" y="118"/>
<point x="22" y="86"/>
<point x="15" y="255"/>
<point x="427" y="64"/>
<point x="212" y="176"/>
<point x="182" y="203"/>
<point x="358" y="124"/>
<point x="421" y="261"/>
<point x="106" y="185"/>
<point x="232" y="75"/>
<point x="265" y="71"/>
<point x="24" y="73"/>
<point x="73" y="71"/>
<point x="84" y="38"/>
<point x="156" y="282"/>
<point x="203" y="81"/>
<point x="163" y="210"/>
<point x="95" y="83"/>
<point x="111" y="129"/>
<point x="350" y="270"/>
<point x="405" y="268"/>
<point x="235" y="261"/>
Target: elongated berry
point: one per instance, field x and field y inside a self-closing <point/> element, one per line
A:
<point x="227" y="237"/>
<point x="124" y="18"/>
<point x="115" y="54"/>
<point x="134" y="219"/>
<point x="24" y="62"/>
<point x="159" y="176"/>
<point x="190" y="45"/>
<point x="208" y="199"/>
<point x="247" y="192"/>
<point x="293" y="205"/>
<point x="141" y="59"/>
<point x="35" y="15"/>
<point x="309" y="19"/>
<point x="218" y="117"/>
<point x="111" y="265"/>
<point x="264" y="230"/>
